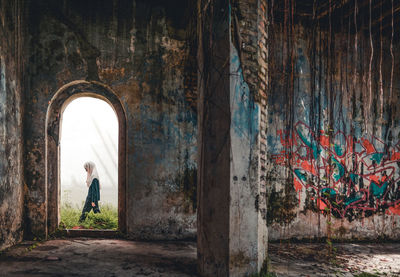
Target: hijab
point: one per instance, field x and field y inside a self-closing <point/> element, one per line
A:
<point x="91" y="173"/>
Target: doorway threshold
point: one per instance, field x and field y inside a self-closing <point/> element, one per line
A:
<point x="92" y="233"/>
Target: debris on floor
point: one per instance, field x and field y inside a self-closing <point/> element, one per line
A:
<point x="340" y="259"/>
<point x="99" y="257"/>
<point x="117" y="257"/>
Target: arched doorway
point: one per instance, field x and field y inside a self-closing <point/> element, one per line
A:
<point x="89" y="132"/>
<point x="57" y="105"/>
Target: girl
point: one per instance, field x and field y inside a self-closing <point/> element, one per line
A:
<point x="93" y="197"/>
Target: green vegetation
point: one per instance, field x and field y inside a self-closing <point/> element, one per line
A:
<point x="107" y="219"/>
<point x="264" y="272"/>
<point x="33" y="246"/>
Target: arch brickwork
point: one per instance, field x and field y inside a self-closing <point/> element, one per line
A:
<point x="56" y="107"/>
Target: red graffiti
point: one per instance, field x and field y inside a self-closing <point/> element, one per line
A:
<point x="346" y="174"/>
<point x="395" y="209"/>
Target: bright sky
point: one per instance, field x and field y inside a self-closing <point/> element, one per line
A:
<point x="89" y="133"/>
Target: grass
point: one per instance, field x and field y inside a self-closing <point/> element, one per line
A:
<point x="107" y="219"/>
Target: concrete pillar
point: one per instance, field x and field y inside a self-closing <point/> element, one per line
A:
<point x="232" y="233"/>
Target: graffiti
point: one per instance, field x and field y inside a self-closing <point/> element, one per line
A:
<point x="348" y="176"/>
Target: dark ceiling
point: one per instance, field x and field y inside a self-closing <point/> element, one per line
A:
<point x="340" y="14"/>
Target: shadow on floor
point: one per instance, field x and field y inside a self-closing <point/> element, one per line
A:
<point x="340" y="259"/>
<point x="99" y="257"/>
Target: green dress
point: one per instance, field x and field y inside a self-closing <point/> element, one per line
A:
<point x="92" y="197"/>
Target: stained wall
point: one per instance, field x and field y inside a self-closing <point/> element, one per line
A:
<point x="232" y="235"/>
<point x="11" y="142"/>
<point x="140" y="50"/>
<point x="333" y="132"/>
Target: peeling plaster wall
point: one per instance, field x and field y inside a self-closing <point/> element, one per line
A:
<point x="248" y="69"/>
<point x="249" y="235"/>
<point x="333" y="137"/>
<point x="140" y="49"/>
<point x="244" y="174"/>
<point x="232" y="235"/>
<point x="11" y="180"/>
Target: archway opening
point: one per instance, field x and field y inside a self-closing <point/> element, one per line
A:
<point x="89" y="132"/>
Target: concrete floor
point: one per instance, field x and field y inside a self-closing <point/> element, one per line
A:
<point x="99" y="257"/>
<point x="116" y="257"/>
<point x="343" y="259"/>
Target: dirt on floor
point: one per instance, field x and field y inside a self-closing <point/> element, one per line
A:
<point x="99" y="257"/>
<point x="337" y="259"/>
<point x="117" y="257"/>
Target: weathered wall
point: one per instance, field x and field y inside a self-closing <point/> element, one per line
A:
<point x="232" y="233"/>
<point x="333" y="134"/>
<point x="11" y="181"/>
<point x="248" y="237"/>
<point x="140" y="49"/>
